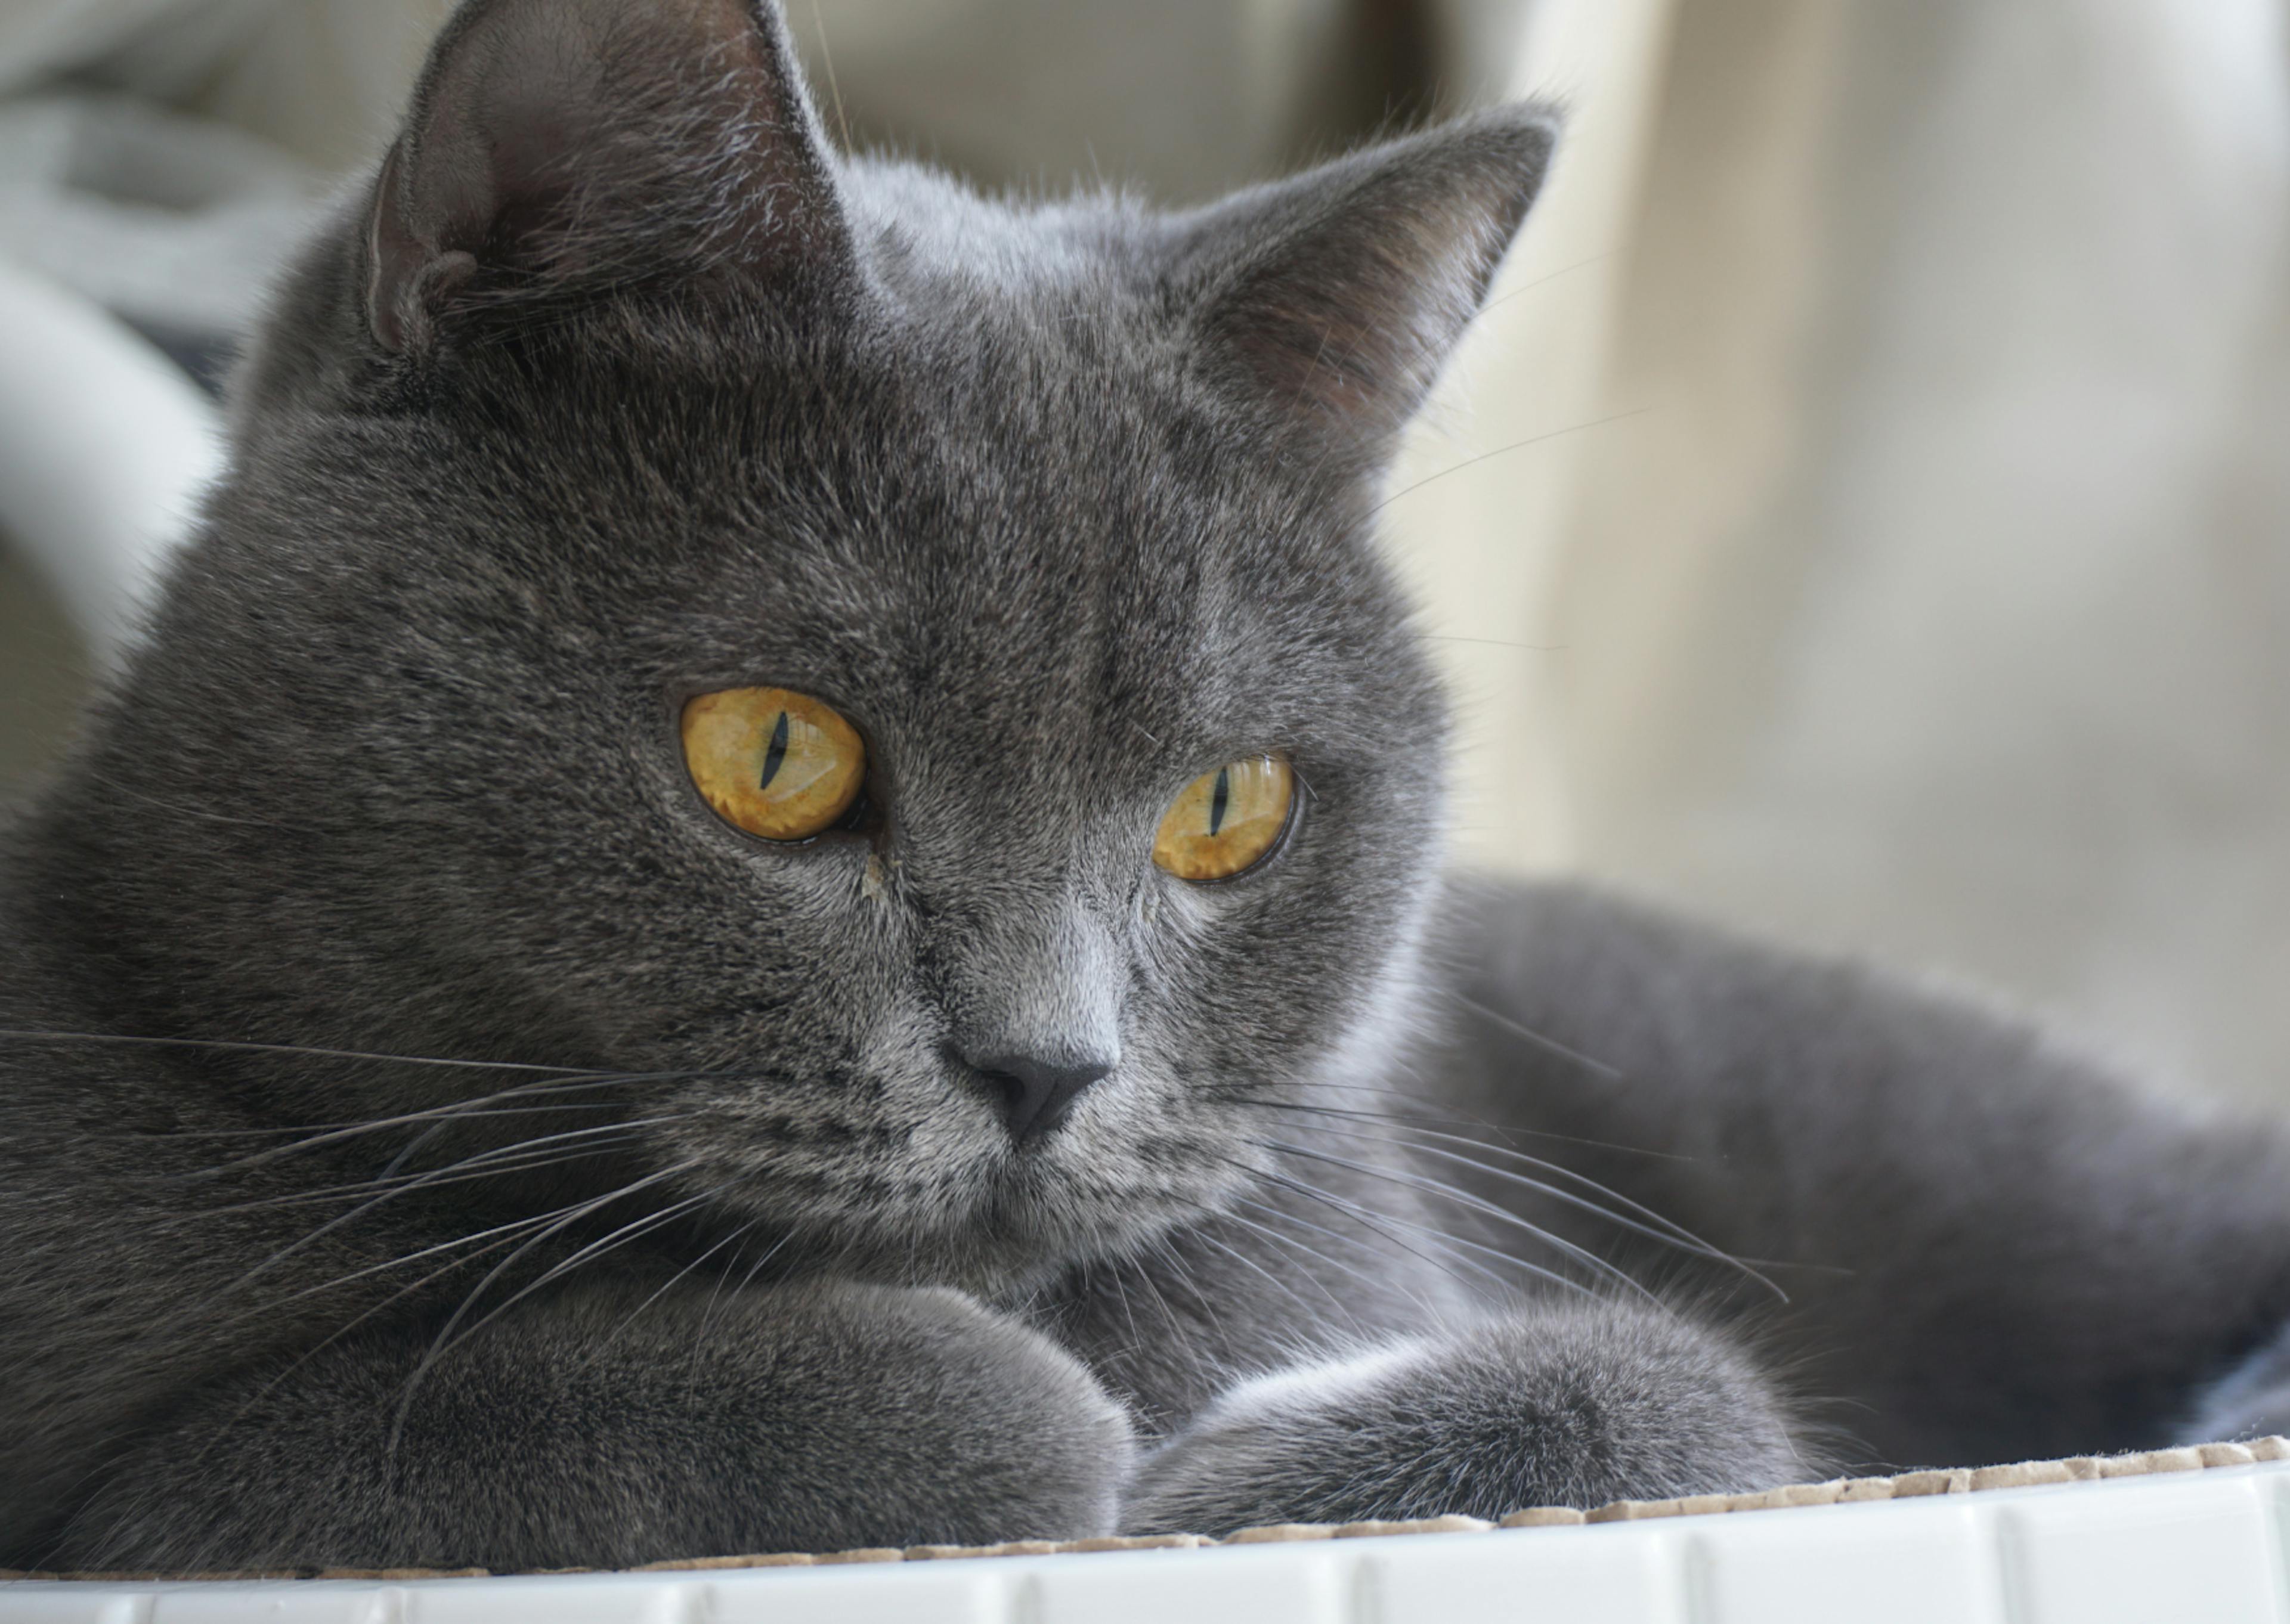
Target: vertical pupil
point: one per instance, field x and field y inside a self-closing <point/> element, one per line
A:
<point x="1218" y="801"/>
<point x="775" y="752"/>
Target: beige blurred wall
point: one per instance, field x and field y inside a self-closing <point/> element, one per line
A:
<point x="1938" y="603"/>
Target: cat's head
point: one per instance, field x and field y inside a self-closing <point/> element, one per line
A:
<point x="619" y="388"/>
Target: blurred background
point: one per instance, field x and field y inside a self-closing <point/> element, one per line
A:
<point x="1863" y="511"/>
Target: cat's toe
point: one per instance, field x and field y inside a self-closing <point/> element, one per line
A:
<point x="1572" y="1404"/>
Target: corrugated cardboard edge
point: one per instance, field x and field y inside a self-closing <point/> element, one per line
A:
<point x="1837" y="1491"/>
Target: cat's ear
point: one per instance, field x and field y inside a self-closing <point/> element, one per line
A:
<point x="557" y="146"/>
<point x="1336" y="296"/>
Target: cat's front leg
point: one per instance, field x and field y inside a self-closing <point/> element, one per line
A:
<point x="1566" y="1403"/>
<point x="617" y="1427"/>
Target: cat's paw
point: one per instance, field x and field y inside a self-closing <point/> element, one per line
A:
<point x="618" y="1425"/>
<point x="1569" y="1404"/>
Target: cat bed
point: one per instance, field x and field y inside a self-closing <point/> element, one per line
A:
<point x="2179" y="1535"/>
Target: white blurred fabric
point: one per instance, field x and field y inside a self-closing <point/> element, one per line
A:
<point x="161" y="155"/>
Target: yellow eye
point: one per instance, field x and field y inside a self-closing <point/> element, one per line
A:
<point x="1226" y="820"/>
<point x="778" y="765"/>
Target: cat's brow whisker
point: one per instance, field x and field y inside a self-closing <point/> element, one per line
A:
<point x="1539" y="1040"/>
<point x="1564" y="270"/>
<point x="1497" y="643"/>
<point x="1504" y="451"/>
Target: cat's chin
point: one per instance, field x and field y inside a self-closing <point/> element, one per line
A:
<point x="1015" y="1239"/>
<point x="994" y="1265"/>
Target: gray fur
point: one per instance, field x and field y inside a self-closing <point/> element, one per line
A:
<point x="1062" y="504"/>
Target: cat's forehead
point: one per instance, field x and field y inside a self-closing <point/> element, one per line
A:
<point x="1046" y="531"/>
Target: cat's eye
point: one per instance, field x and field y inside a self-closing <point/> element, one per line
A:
<point x="1227" y="820"/>
<point x="774" y="763"/>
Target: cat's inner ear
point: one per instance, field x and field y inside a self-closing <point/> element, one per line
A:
<point x="557" y="146"/>
<point x="1335" y="297"/>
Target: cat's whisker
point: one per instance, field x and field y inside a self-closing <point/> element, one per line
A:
<point x="178" y="1135"/>
<point x="444" y="1337"/>
<point x="1285" y="1241"/>
<point x="445" y="1114"/>
<point x="18" y="1034"/>
<point x="1656" y="1227"/>
<point x="1500" y="1130"/>
<point x="518" y="1227"/>
<point x="757" y="1267"/>
<point x="1121" y="1296"/>
<point x="1374" y="1222"/>
<point x="498" y="1160"/>
<point x="504" y="1163"/>
<point x="510" y="1230"/>
<point x="1168" y="1314"/>
<point x="1366" y="1249"/>
<point x="407" y="1186"/>
<point x="1248" y="1100"/>
<point x="390" y="1168"/>
<point x="1463" y="1198"/>
<point x="1204" y="1299"/>
<point x="1451" y="1247"/>
<point x="708" y="1308"/>
<point x="666" y="1286"/>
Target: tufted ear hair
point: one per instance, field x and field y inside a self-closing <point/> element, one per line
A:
<point x="1336" y="296"/>
<point x="565" y="146"/>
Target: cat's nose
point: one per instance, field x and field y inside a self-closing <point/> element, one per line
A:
<point x="1036" y="1094"/>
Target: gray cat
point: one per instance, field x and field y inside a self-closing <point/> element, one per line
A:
<point x="772" y="880"/>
